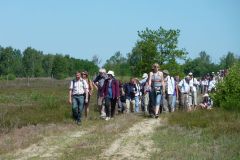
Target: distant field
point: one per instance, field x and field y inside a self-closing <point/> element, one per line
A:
<point x="32" y="102"/>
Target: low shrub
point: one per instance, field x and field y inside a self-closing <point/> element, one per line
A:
<point x="8" y="77"/>
<point x="228" y="91"/>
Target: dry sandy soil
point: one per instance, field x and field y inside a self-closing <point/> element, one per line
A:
<point x="135" y="143"/>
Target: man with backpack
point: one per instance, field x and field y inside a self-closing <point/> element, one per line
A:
<point x="185" y="91"/>
<point x="78" y="94"/>
<point x="169" y="99"/>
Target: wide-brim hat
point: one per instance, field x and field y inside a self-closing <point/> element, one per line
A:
<point x="102" y="70"/>
<point x="145" y="75"/>
<point x="205" y="95"/>
<point x="111" y="73"/>
<point x="165" y="72"/>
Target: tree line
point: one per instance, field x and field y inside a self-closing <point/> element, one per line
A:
<point x="33" y="63"/>
<point x="153" y="46"/>
<point x="161" y="46"/>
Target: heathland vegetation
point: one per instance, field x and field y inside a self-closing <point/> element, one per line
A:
<point x="38" y="113"/>
<point x="35" y="115"/>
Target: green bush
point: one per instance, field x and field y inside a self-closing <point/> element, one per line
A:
<point x="8" y="77"/>
<point x="228" y="91"/>
<point x="60" y="76"/>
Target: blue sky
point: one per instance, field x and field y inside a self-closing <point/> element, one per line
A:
<point x="83" y="29"/>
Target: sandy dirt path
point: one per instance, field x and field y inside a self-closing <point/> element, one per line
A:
<point x="49" y="148"/>
<point x="136" y="143"/>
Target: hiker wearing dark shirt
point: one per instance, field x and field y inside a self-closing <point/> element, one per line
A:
<point x="111" y="94"/>
<point x="98" y="83"/>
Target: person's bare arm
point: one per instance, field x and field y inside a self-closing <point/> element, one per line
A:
<point x="150" y="79"/>
<point x="70" y="96"/>
<point x="163" y="83"/>
<point x="177" y="91"/>
<point x="95" y="85"/>
<point x="86" y="90"/>
<point x="90" y="87"/>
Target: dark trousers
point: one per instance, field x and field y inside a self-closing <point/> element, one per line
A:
<point x="110" y="104"/>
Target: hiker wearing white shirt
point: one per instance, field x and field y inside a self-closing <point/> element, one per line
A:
<point x="170" y="88"/>
<point x="205" y="84"/>
<point x="185" y="90"/>
<point x="78" y="94"/>
<point x="212" y="84"/>
<point x="193" y="88"/>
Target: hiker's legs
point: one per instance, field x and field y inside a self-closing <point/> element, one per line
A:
<point x="86" y="107"/>
<point x="157" y="103"/>
<point x="77" y="107"/>
<point x="127" y="109"/>
<point x="173" y="104"/>
<point x="107" y="106"/>
<point x="165" y="103"/>
<point x="190" y="101"/>
<point x="146" y="102"/>
<point x="195" y="98"/>
<point x="80" y="107"/>
<point x="136" y="99"/>
<point x="170" y="100"/>
<point x="113" y="106"/>
<point x="132" y="105"/>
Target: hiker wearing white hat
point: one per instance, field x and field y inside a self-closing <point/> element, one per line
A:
<point x="145" y="93"/>
<point x="206" y="103"/>
<point x="110" y="73"/>
<point x="185" y="90"/>
<point x="111" y="94"/>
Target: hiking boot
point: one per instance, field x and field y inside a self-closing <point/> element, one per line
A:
<point x="78" y="123"/>
<point x="156" y="116"/>
<point x="107" y="118"/>
<point x="152" y="115"/>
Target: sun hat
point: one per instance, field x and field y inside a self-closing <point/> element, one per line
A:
<point x="165" y="72"/>
<point x="205" y="95"/>
<point x="102" y="70"/>
<point x="111" y="73"/>
<point x="145" y="75"/>
<point x="190" y="73"/>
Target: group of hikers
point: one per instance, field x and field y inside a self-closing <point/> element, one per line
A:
<point x="155" y="93"/>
